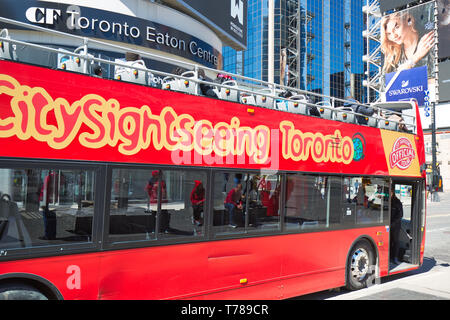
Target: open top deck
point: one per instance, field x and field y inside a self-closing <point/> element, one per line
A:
<point x="187" y="78"/>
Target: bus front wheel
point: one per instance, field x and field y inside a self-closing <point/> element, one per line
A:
<point x="360" y="266"/>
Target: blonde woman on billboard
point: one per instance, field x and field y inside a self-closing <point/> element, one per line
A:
<point x="401" y="45"/>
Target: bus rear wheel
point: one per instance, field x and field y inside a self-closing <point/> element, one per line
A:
<point x="19" y="291"/>
<point x="360" y="266"/>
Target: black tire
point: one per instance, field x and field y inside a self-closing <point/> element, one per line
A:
<point x="19" y="291"/>
<point x="360" y="266"/>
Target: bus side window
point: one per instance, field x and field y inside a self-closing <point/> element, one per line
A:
<point x="150" y="204"/>
<point x="42" y="207"/>
<point x="335" y="204"/>
<point x="263" y="202"/>
<point x="306" y="202"/>
<point x="246" y="202"/>
<point x="183" y="203"/>
<point x="372" y="200"/>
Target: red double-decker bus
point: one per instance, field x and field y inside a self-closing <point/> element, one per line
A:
<point x="114" y="190"/>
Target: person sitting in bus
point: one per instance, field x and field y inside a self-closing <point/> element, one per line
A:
<point x="253" y="195"/>
<point x="264" y="188"/>
<point x="232" y="202"/>
<point x="402" y="127"/>
<point x="134" y="58"/>
<point x="178" y="71"/>
<point x="254" y="203"/>
<point x="396" y="223"/>
<point x="401" y="122"/>
<point x="131" y="56"/>
<point x="312" y="110"/>
<point x="98" y="73"/>
<point x="362" y="202"/>
<point x="206" y="89"/>
<point x="286" y="94"/>
<point x="221" y="78"/>
<point x="197" y="201"/>
<point x="361" y="198"/>
<point x="361" y="109"/>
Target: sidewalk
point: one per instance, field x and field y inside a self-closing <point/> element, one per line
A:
<point x="429" y="285"/>
<point x="444" y="197"/>
<point x="430" y="282"/>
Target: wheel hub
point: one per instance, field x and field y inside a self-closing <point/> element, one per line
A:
<point x="360" y="264"/>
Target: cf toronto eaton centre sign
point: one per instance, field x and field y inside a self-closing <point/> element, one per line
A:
<point x="108" y="25"/>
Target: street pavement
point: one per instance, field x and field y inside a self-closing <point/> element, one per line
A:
<point x="430" y="282"/>
<point x="423" y="285"/>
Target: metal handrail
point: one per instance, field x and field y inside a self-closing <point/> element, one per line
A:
<point x="262" y="84"/>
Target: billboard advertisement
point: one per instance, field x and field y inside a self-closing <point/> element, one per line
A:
<point x="386" y="5"/>
<point x="410" y="83"/>
<point x="443" y="17"/>
<point x="407" y="43"/>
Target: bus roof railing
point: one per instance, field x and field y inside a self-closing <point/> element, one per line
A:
<point x="247" y="90"/>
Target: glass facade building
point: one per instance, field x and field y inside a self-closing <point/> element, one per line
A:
<point x="323" y="43"/>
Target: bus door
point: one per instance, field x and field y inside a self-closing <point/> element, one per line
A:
<point x="411" y="195"/>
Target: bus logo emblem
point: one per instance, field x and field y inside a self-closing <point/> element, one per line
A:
<point x="359" y="144"/>
<point x="402" y="154"/>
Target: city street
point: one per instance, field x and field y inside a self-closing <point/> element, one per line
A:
<point x="430" y="282"/>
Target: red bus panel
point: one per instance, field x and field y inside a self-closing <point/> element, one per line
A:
<point x="261" y="268"/>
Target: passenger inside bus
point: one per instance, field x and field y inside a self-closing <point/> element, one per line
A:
<point x="178" y="71"/>
<point x="362" y="202"/>
<point x="130" y="74"/>
<point x="206" y="89"/>
<point x="361" y="109"/>
<point x="253" y="200"/>
<point x="401" y="122"/>
<point x="256" y="209"/>
<point x="198" y="200"/>
<point x="162" y="206"/>
<point x="396" y="220"/>
<point x="98" y="71"/>
<point x="233" y="204"/>
<point x="221" y="78"/>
